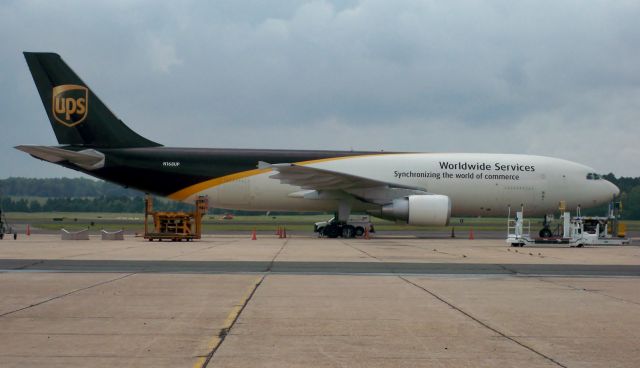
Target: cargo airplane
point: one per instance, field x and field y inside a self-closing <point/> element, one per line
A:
<point x="416" y="188"/>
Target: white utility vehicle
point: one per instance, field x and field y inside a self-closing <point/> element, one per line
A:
<point x="5" y="228"/>
<point x="355" y="226"/>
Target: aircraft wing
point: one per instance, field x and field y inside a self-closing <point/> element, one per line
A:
<point x="316" y="180"/>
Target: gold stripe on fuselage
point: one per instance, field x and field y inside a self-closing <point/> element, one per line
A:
<point x="196" y="188"/>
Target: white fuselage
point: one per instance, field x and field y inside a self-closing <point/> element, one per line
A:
<point x="477" y="184"/>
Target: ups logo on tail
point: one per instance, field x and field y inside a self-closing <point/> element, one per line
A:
<point x="70" y="104"/>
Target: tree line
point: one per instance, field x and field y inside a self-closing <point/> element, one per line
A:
<point x="86" y="195"/>
<point x="93" y="204"/>
<point x="629" y="195"/>
<point x="76" y="195"/>
<point x="63" y="188"/>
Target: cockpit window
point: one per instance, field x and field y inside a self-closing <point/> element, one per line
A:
<point x="593" y="176"/>
<point x="589" y="176"/>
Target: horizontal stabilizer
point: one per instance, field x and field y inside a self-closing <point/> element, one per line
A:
<point x="89" y="159"/>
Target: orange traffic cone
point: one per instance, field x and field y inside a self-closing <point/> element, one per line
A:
<point x="278" y="231"/>
<point x="471" y="237"/>
<point x="253" y="235"/>
<point x="284" y="232"/>
<point x="28" y="230"/>
<point x="366" y="233"/>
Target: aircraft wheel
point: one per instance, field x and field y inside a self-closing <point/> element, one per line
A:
<point x="331" y="231"/>
<point x="15" y="236"/>
<point x="348" y="231"/>
<point x="359" y="231"/>
<point x="1" y="236"/>
<point x="545" y="233"/>
<point x="320" y="232"/>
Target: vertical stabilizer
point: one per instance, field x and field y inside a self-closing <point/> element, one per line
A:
<point x="77" y="116"/>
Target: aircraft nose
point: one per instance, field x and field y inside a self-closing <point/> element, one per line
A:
<point x="614" y="191"/>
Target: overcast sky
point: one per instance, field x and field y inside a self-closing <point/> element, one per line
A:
<point x="555" y="78"/>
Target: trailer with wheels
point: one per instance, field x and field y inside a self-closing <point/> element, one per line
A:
<point x="577" y="231"/>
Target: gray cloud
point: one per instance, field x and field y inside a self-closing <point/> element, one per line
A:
<point x="558" y="78"/>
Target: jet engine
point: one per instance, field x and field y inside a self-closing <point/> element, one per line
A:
<point x="430" y="209"/>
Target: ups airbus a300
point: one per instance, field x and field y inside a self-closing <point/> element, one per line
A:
<point x="417" y="188"/>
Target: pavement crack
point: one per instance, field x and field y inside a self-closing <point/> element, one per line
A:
<point x="198" y="250"/>
<point x="361" y="251"/>
<point x="233" y="318"/>
<point x="273" y="260"/>
<point x="23" y="267"/>
<point x="597" y="292"/>
<point x="485" y="325"/>
<point x="101" y="252"/>
<point x="66" y="294"/>
<point x="507" y="269"/>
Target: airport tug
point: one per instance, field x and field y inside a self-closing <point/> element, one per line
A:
<point x="575" y="231"/>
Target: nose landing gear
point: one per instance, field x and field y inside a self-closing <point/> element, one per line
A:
<point x="545" y="232"/>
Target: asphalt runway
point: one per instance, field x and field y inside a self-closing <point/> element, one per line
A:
<point x="392" y="301"/>
<point x="316" y="268"/>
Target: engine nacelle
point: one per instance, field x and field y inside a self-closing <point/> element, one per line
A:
<point x="431" y="209"/>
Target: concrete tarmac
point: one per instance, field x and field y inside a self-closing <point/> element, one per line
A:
<point x="227" y="301"/>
